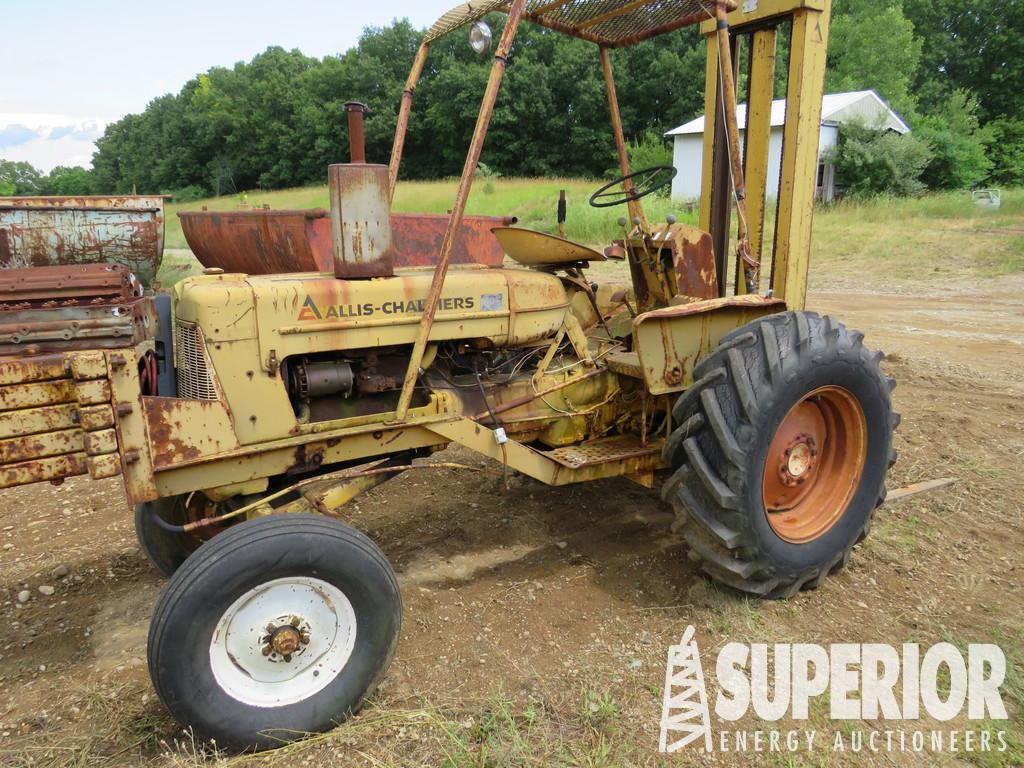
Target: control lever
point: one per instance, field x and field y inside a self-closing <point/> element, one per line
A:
<point x="561" y="212"/>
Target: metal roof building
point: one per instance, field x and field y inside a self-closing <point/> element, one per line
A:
<point x="837" y="108"/>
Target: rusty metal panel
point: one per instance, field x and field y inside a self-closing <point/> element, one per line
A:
<point x="35" y="330"/>
<point x="48" y="421"/>
<point x="52" y="468"/>
<point x="46" y="231"/>
<point x="35" y="394"/>
<point x="91" y="306"/>
<point x="41" y="445"/>
<point x="100" y="442"/>
<point x="256" y="242"/>
<point x="88" y="365"/>
<point x="92" y="392"/>
<point x="95" y="417"/>
<point x="25" y="370"/>
<point x="418" y="239"/>
<point x="184" y="430"/>
<point x="67" y="286"/>
<point x="671" y="341"/>
<point x="133" y="437"/>
<point x="360" y="220"/>
<point x="108" y="465"/>
<point x="30" y="421"/>
<point x="694" y="259"/>
<point x="263" y="242"/>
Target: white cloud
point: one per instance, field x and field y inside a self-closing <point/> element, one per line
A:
<point x="48" y="140"/>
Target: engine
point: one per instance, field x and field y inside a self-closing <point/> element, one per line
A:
<point x="284" y="351"/>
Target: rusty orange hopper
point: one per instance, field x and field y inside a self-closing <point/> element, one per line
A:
<point x="267" y="242"/>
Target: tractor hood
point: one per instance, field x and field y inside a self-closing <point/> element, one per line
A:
<point x="309" y="313"/>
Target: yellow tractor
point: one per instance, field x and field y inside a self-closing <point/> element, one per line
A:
<point x="246" y="410"/>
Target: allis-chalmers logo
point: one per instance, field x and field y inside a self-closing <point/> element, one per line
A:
<point x="857" y="681"/>
<point x="311" y="311"/>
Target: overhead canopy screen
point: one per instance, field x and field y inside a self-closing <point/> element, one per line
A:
<point x="613" y="23"/>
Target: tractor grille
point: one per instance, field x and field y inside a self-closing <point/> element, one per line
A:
<point x="194" y="380"/>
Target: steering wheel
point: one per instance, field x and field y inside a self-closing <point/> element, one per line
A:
<point x="650" y="180"/>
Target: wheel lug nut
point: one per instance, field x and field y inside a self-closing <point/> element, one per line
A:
<point x="266" y="650"/>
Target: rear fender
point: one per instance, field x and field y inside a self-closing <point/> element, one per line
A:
<point x="672" y="340"/>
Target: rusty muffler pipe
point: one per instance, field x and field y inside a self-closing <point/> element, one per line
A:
<point x="356" y="135"/>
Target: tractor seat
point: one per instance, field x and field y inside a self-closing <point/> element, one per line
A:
<point x="538" y="249"/>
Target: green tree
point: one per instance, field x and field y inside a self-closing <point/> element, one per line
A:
<point x="649" y="150"/>
<point x="872" y="45"/>
<point x="957" y="143"/>
<point x="68" y="181"/>
<point x="977" y="45"/>
<point x="1005" y="149"/>
<point x="871" y="161"/>
<point x="278" y="121"/>
<point x="20" y="178"/>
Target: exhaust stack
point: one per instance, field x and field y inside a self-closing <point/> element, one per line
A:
<point x="360" y="208"/>
<point x="356" y="135"/>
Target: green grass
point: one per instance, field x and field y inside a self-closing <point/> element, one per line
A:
<point x="939" y="237"/>
<point x="1012" y="690"/>
<point x="498" y="732"/>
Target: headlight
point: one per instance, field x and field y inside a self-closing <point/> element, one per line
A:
<point x="480" y="37"/>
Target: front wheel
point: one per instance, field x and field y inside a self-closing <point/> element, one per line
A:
<point x="275" y="629"/>
<point x="166" y="550"/>
<point x="781" y="453"/>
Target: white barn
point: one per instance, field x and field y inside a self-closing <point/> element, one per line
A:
<point x="837" y="108"/>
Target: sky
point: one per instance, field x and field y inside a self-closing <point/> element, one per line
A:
<point x="71" y="67"/>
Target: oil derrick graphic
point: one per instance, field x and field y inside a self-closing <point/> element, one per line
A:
<point x="685" y="716"/>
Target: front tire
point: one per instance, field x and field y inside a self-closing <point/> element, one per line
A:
<point x="166" y="550"/>
<point x="275" y="629"/>
<point x="780" y="454"/>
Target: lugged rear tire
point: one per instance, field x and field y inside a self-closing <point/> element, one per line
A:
<point x="789" y="396"/>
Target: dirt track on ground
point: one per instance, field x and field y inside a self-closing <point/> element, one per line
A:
<point x="555" y="596"/>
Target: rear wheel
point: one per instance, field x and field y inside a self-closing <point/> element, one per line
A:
<point x="781" y="453"/>
<point x="277" y="628"/>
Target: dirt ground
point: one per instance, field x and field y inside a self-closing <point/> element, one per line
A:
<point x="537" y="620"/>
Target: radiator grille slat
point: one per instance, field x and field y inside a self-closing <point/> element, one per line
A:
<point x="194" y="379"/>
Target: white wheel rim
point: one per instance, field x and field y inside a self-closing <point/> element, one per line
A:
<point x="239" y="655"/>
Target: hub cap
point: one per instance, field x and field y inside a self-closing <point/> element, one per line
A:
<point x="814" y="465"/>
<point x="283" y="641"/>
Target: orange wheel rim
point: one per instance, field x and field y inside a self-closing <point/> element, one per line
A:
<point x="814" y="464"/>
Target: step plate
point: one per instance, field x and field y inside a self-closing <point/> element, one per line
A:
<point x="625" y="363"/>
<point x="605" y="450"/>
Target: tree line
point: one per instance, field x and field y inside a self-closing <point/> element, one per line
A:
<point x="951" y="68"/>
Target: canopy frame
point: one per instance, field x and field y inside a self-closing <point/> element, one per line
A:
<point x="614" y="24"/>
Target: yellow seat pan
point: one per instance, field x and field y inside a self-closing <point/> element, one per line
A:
<point x="535" y="249"/>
